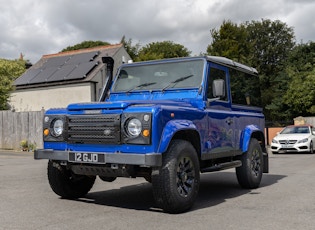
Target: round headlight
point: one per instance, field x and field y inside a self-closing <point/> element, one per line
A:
<point x="134" y="127"/>
<point x="58" y="127"/>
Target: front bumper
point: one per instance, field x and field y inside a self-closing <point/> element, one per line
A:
<point x="149" y="159"/>
<point x="278" y="148"/>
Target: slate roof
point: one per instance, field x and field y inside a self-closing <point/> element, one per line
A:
<point x="70" y="66"/>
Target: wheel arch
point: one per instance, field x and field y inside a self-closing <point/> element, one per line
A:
<point x="180" y="129"/>
<point x="191" y="136"/>
<point x="252" y="131"/>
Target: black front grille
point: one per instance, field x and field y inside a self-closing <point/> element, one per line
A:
<point x="94" y="129"/>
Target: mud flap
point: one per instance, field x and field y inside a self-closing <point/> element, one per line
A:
<point x="266" y="163"/>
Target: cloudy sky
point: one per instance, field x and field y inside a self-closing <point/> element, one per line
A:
<point x="38" y="27"/>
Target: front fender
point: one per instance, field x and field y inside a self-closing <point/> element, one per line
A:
<point x="170" y="129"/>
<point x="247" y="134"/>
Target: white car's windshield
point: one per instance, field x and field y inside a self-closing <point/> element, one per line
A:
<point x="160" y="76"/>
<point x="296" y="130"/>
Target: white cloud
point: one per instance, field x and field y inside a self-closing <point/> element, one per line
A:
<point x="38" y="27"/>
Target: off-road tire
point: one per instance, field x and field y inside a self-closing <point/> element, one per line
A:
<point x="67" y="184"/>
<point x="107" y="178"/>
<point x="250" y="173"/>
<point x="176" y="182"/>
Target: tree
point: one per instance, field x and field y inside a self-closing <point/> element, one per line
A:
<point x="85" y="44"/>
<point x="9" y="71"/>
<point x="271" y="43"/>
<point x="132" y="50"/>
<point x="300" y="96"/>
<point x="160" y="50"/>
<point x="264" y="45"/>
<point x="230" y="41"/>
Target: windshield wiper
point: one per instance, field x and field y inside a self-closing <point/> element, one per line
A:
<point x="176" y="81"/>
<point x="141" y="86"/>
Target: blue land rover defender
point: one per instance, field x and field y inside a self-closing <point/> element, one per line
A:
<point x="164" y="120"/>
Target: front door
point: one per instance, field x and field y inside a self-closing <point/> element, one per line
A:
<point x="220" y="117"/>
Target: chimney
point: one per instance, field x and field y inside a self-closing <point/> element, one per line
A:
<point x="21" y="57"/>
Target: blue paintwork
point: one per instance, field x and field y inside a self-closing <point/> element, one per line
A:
<point x="174" y="110"/>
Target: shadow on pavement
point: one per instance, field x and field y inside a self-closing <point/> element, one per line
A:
<point x="215" y="188"/>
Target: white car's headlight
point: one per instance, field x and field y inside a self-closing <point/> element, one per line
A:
<point x="303" y="140"/>
<point x="274" y="141"/>
<point x="134" y="127"/>
<point x="58" y="127"/>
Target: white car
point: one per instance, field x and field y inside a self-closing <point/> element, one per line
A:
<point x="294" y="138"/>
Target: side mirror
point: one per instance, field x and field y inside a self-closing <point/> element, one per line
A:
<point x="218" y="88"/>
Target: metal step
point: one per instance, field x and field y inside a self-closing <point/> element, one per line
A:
<point x="222" y="166"/>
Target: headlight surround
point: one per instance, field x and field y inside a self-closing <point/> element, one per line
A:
<point x="274" y="141"/>
<point x="58" y="127"/>
<point x="54" y="128"/>
<point x="134" y="127"/>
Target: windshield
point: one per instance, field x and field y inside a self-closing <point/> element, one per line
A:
<point x="160" y="76"/>
<point x="295" y="130"/>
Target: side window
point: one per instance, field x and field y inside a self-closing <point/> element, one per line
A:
<point x="245" y="88"/>
<point x="216" y="74"/>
